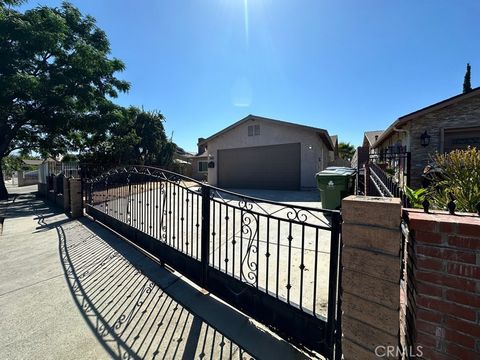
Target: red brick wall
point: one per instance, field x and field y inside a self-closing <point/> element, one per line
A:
<point x="446" y="284"/>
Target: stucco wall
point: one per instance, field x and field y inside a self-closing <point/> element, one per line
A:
<point x="465" y="113"/>
<point x="195" y="173"/>
<point x="314" y="154"/>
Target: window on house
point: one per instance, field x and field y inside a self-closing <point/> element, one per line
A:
<point x="461" y="138"/>
<point x="253" y="130"/>
<point x="202" y="166"/>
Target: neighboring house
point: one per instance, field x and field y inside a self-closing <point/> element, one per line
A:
<point x="262" y="153"/>
<point x="191" y="164"/>
<point x="361" y="153"/>
<point x="33" y="162"/>
<point x="200" y="162"/>
<point x="182" y="162"/>
<point x="451" y="124"/>
<point x="370" y="138"/>
<point x="333" y="155"/>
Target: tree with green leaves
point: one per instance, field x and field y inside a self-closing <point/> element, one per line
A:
<point x="346" y="150"/>
<point x="134" y="136"/>
<point x="12" y="163"/>
<point x="56" y="79"/>
<point x="467" y="85"/>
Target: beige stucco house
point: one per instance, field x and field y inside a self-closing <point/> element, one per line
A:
<point x="450" y="124"/>
<point x="263" y="153"/>
<point x="200" y="165"/>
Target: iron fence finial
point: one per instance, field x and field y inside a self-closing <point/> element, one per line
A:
<point x="426" y="205"/>
<point x="451" y="204"/>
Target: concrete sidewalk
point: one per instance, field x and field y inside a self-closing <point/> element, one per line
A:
<point x="72" y="290"/>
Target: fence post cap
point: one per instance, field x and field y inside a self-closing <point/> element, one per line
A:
<point x="372" y="211"/>
<point x="372" y="199"/>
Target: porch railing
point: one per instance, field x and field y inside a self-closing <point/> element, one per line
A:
<point x="386" y="174"/>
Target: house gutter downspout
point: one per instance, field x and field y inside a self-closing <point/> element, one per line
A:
<point x="408" y="136"/>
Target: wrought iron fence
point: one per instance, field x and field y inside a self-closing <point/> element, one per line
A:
<point x="395" y="163"/>
<point x="381" y="184"/>
<point x="386" y="174"/>
<point x="68" y="169"/>
<point x="408" y="289"/>
<point x="277" y="262"/>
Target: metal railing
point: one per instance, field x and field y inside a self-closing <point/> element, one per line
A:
<point x="394" y="163"/>
<point x="68" y="169"/>
<point x="408" y="288"/>
<point x="386" y="174"/>
<point x="277" y="262"/>
<point x="381" y="184"/>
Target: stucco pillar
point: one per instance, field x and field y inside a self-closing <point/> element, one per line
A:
<point x="76" y="203"/>
<point x="371" y="272"/>
<point x="66" y="194"/>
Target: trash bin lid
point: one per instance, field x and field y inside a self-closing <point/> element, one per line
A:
<point x="337" y="171"/>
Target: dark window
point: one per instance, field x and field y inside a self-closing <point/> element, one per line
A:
<point x="253" y="130"/>
<point x="461" y="138"/>
<point x="202" y="166"/>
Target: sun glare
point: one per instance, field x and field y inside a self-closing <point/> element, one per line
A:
<point x="245" y="9"/>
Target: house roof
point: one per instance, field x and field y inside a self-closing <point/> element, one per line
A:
<point x="334" y="139"/>
<point x="322" y="132"/>
<point x="32" y="162"/>
<point x="372" y="136"/>
<point x="202" y="155"/>
<point x="416" y="114"/>
<point x="49" y="159"/>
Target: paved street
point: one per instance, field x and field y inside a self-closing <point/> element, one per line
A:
<point x="72" y="290"/>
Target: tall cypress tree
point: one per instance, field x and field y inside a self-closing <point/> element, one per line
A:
<point x="467" y="85"/>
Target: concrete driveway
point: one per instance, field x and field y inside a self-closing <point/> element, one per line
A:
<point x="309" y="198"/>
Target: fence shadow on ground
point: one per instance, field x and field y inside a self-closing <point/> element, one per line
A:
<point x="129" y="310"/>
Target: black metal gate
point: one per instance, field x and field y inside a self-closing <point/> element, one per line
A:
<point x="276" y="262"/>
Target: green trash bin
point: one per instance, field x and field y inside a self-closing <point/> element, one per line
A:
<point x="334" y="184"/>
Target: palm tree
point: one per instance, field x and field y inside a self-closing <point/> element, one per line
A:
<point x="346" y="150"/>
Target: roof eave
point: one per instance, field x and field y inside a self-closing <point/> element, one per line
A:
<point x="327" y="140"/>
<point x="434" y="107"/>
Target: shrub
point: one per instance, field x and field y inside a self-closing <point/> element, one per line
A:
<point x="415" y="197"/>
<point x="459" y="179"/>
<point x="390" y="171"/>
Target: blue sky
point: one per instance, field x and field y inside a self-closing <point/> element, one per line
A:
<point x="348" y="66"/>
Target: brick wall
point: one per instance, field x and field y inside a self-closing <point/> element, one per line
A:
<point x="446" y="284"/>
